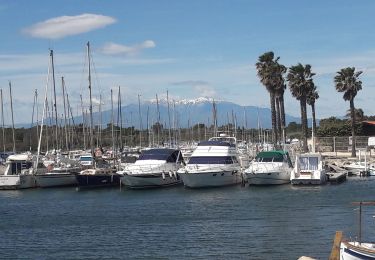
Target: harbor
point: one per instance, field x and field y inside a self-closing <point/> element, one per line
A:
<point x="251" y="222"/>
<point x="187" y="130"/>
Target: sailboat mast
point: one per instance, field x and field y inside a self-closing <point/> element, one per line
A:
<point x="54" y="105"/>
<point x="91" y="119"/>
<point x="120" y="113"/>
<point x="32" y="121"/>
<point x="158" y="111"/>
<point x="65" y="123"/>
<point x="11" y="109"/>
<point x="101" y="118"/>
<point x="169" y="120"/>
<point x="112" y="123"/>
<point x="83" y="124"/>
<point x="2" y="118"/>
<point x="148" y="132"/>
<point x="45" y="111"/>
<point x="140" y="120"/>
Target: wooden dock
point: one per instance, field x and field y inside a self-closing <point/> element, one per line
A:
<point x="335" y="252"/>
<point x="336" y="174"/>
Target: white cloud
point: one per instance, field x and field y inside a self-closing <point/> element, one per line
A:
<point x="112" y="48"/>
<point x="190" y="83"/>
<point x="205" y="90"/>
<point x="63" y="26"/>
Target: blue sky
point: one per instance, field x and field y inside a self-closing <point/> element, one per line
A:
<point x="192" y="48"/>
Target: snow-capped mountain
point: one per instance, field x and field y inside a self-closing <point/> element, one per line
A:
<point x="188" y="112"/>
<point x="172" y="101"/>
<point x="185" y="113"/>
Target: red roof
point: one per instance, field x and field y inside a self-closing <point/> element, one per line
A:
<point x="369" y="122"/>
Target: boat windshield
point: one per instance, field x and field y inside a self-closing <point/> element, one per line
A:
<point x="86" y="159"/>
<point x="17" y="167"/>
<point x="212" y="160"/>
<point x="308" y="163"/>
<point x="168" y="155"/>
<point x="270" y="159"/>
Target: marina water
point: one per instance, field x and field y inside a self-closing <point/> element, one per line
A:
<point x="282" y="222"/>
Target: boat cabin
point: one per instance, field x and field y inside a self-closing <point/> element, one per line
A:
<point x="309" y="162"/>
<point x="17" y="164"/>
<point x="86" y="160"/>
<point x="168" y="155"/>
<point x="274" y="156"/>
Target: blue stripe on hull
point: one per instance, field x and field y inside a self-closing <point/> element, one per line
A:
<point x="359" y="255"/>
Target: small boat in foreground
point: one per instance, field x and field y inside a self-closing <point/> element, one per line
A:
<point x="356" y="250"/>
<point x="268" y="168"/>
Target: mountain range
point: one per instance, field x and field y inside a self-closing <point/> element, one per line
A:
<point x="185" y="113"/>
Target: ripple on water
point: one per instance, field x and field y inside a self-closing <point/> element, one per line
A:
<point x="282" y="222"/>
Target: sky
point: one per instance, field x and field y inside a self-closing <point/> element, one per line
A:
<point x="190" y="48"/>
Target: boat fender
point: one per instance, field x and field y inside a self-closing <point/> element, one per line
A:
<point x="163" y="175"/>
<point x="175" y="175"/>
<point x="170" y="174"/>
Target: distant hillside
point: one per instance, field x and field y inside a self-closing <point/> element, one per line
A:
<point x="187" y="113"/>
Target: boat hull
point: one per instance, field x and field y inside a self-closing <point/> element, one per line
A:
<point x="139" y="181"/>
<point x="92" y="181"/>
<point x="56" y="180"/>
<point x="352" y="251"/>
<point x="14" y="182"/>
<point x="210" y="179"/>
<point x="269" y="178"/>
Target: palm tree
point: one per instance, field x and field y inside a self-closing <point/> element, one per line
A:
<point x="346" y="80"/>
<point x="266" y="71"/>
<point x="359" y="115"/>
<point x="311" y="98"/>
<point x="280" y="90"/>
<point x="300" y="82"/>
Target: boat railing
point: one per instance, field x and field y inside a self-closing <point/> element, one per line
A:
<point x="221" y="167"/>
<point x="147" y="168"/>
<point x="267" y="166"/>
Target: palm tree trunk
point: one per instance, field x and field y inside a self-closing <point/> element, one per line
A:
<point x="304" y="123"/>
<point x="273" y="118"/>
<point x="352" y="114"/>
<point x="278" y="117"/>
<point x="282" y="112"/>
<point x="313" y="117"/>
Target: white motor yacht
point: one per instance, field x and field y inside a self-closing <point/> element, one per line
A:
<point x="308" y="170"/>
<point x="156" y="167"/>
<point x="269" y="167"/>
<point x="213" y="163"/>
<point x="19" y="172"/>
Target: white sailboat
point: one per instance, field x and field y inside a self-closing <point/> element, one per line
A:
<point x="357" y="249"/>
<point x="64" y="173"/>
<point x="213" y="163"/>
<point x="268" y="168"/>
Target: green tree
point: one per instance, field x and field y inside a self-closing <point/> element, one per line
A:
<point x="300" y="83"/>
<point x="347" y="81"/>
<point x="280" y="90"/>
<point x="311" y="99"/>
<point x="359" y="115"/>
<point x="267" y="73"/>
